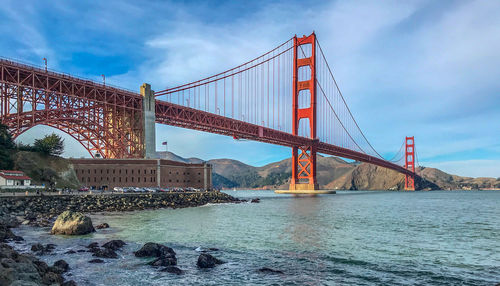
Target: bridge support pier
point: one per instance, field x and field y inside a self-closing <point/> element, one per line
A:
<point x="148" y="120"/>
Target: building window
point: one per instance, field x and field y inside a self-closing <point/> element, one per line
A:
<point x="107" y="171"/>
<point x="199" y="173"/>
<point x="88" y="171"/>
<point x="120" y="179"/>
<point x="132" y="171"/>
<point x="95" y="171"/>
<point x="170" y="181"/>
<point x="132" y="179"/>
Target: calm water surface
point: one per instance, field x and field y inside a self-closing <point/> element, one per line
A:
<point x="352" y="238"/>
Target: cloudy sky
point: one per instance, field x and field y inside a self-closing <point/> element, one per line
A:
<point x="425" y="68"/>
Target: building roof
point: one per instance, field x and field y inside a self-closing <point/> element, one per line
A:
<point x="12" y="172"/>
<point x="8" y="174"/>
<point x="132" y="161"/>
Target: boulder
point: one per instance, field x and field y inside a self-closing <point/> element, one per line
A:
<point x="96" y="260"/>
<point x="6" y="233"/>
<point x="52" y="278"/>
<point x="69" y="283"/>
<point x="256" y="200"/>
<point x="102" y="225"/>
<point x="172" y="269"/>
<point x="72" y="223"/>
<point x="206" y="260"/>
<point x="105" y="253"/>
<point x="62" y="265"/>
<point x="24" y="269"/>
<point x="93" y="245"/>
<point x="152" y="249"/>
<point x="70" y="252"/>
<point x="9" y="221"/>
<point x="114" y="244"/>
<point x="164" y="261"/>
<point x="39" y="249"/>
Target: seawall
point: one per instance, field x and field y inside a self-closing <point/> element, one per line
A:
<point x="32" y="206"/>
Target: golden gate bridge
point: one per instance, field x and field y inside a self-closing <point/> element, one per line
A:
<point x="287" y="96"/>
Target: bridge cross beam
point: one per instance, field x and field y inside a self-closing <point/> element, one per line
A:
<point x="304" y="157"/>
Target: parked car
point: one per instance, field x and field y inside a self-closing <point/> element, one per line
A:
<point x="83" y="189"/>
<point x="118" y="189"/>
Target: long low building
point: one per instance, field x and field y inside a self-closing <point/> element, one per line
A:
<point x="152" y="173"/>
<point x="14" y="178"/>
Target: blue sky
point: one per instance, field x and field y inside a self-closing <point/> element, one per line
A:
<point x="425" y="68"/>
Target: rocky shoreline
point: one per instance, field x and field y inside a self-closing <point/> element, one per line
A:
<point x="26" y="269"/>
<point x="39" y="210"/>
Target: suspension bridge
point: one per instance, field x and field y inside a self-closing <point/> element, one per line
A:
<point x="287" y="96"/>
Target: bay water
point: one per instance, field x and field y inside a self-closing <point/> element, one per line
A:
<point x="351" y="238"/>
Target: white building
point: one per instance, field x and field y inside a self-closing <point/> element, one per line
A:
<point x="14" y="178"/>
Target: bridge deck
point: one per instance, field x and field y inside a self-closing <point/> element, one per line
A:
<point x="185" y="117"/>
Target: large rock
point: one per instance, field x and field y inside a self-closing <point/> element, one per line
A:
<point x="172" y="269"/>
<point x="6" y="234"/>
<point x="152" y="249"/>
<point x="102" y="225"/>
<point x="72" y="223"/>
<point x="206" y="260"/>
<point x="105" y="253"/>
<point x="164" y="261"/>
<point x="114" y="244"/>
<point x="23" y="269"/>
<point x="61" y="266"/>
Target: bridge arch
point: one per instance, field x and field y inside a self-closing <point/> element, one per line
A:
<point x="105" y="120"/>
<point x="71" y="129"/>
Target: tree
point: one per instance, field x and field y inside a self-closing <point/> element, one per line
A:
<point x="6" y="147"/>
<point x="50" y="145"/>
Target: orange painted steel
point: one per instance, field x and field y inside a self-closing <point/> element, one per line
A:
<point x="304" y="157"/>
<point x="410" y="163"/>
<point x="107" y="121"/>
